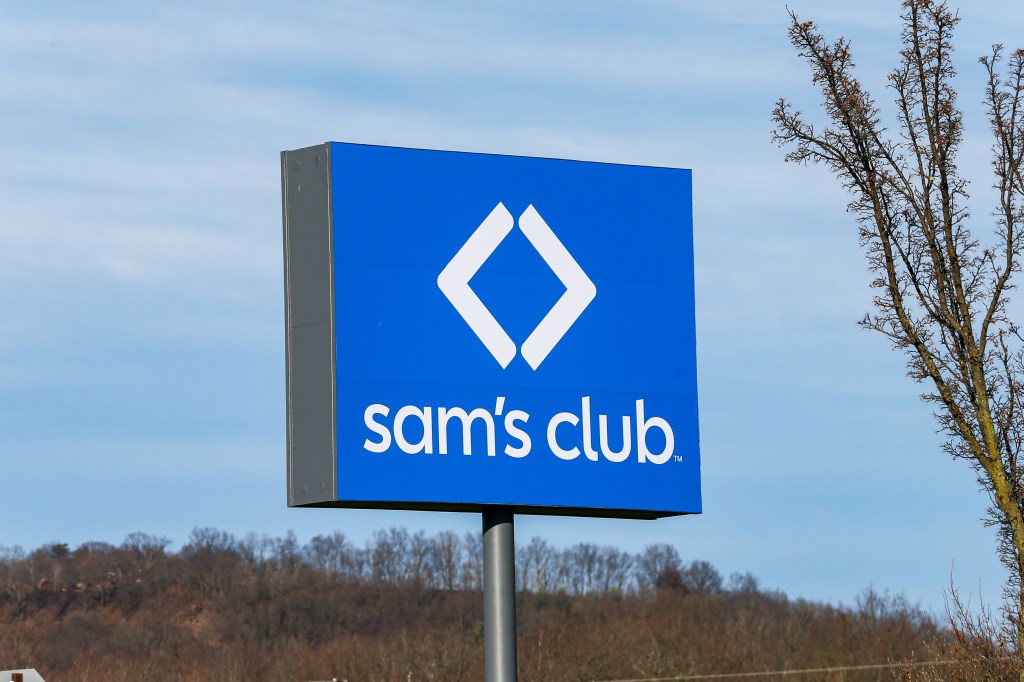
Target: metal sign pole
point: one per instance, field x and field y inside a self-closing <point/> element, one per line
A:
<point x="499" y="595"/>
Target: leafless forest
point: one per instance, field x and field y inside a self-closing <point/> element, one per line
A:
<point x="409" y="607"/>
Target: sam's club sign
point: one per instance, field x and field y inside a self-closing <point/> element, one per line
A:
<point x="472" y="329"/>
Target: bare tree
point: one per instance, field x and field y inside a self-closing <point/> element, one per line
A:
<point x="447" y="557"/>
<point x="389" y="556"/>
<point x="328" y="553"/>
<point x="583" y="568"/>
<point x="701" y="577"/>
<point x="941" y="293"/>
<point x="145" y="550"/>
<point x="536" y="566"/>
<point x="421" y="568"/>
<point x="658" y="568"/>
<point x="472" y="575"/>
<point x="616" y="571"/>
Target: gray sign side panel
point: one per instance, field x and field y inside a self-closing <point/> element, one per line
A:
<point x="287" y="326"/>
<point x="309" y="315"/>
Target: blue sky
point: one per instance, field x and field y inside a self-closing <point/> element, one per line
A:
<point x="142" y="331"/>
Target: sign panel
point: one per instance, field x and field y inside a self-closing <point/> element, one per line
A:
<point x="473" y="329"/>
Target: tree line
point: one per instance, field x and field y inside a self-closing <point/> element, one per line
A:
<point x="394" y="557"/>
<point x="408" y="606"/>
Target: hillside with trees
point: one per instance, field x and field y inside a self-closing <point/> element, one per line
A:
<point x="406" y="606"/>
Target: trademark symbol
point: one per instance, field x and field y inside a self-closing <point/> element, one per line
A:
<point x="678" y="458"/>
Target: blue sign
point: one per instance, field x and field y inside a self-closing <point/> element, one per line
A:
<point x="509" y="331"/>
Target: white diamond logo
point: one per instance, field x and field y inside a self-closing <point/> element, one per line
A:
<point x="454" y="284"/>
